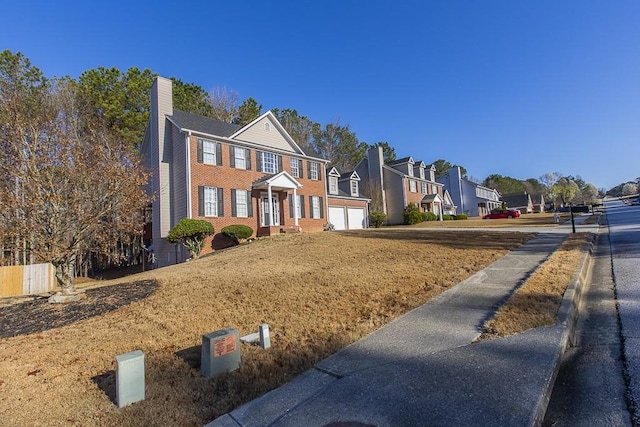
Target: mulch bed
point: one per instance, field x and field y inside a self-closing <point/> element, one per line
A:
<point x="39" y="315"/>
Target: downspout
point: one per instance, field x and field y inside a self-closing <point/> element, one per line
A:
<point x="188" y="160"/>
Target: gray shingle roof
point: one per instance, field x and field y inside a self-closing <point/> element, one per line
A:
<point x="203" y="124"/>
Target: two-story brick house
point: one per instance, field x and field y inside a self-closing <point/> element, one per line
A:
<point x="226" y="174"/>
<point x="399" y="183"/>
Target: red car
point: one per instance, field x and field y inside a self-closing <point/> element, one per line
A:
<point x="499" y="213"/>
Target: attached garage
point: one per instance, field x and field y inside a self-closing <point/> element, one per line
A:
<point x="347" y="218"/>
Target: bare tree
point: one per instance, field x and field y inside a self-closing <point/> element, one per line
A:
<point x="373" y="190"/>
<point x="225" y="104"/>
<point x="68" y="184"/>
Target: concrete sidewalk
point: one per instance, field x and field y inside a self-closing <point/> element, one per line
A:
<point x="424" y="369"/>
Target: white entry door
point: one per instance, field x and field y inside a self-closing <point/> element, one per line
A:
<point x="274" y="211"/>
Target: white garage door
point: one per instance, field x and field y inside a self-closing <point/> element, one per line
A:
<point x="356" y="218"/>
<point x="336" y="217"/>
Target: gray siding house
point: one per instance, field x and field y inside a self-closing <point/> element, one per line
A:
<point x="470" y="198"/>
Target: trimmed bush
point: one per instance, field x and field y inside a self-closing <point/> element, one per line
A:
<point x="447" y="217"/>
<point x="377" y="218"/>
<point x="429" y="216"/>
<point x="412" y="214"/>
<point x="237" y="231"/>
<point x="191" y="233"/>
<point x="461" y="216"/>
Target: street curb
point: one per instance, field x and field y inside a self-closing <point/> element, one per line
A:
<point x="567" y="320"/>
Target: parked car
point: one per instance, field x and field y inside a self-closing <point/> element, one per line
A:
<point x="502" y="213"/>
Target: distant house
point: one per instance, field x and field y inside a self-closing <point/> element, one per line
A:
<point x="398" y="183"/>
<point x="471" y="199"/>
<point x="519" y="201"/>
<point x="223" y="173"/>
<point x="348" y="208"/>
<point x="448" y="205"/>
<point x="538" y="203"/>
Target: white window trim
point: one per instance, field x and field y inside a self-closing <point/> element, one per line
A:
<point x="354" y="187"/>
<point x="295" y="170"/>
<point x="313" y="170"/>
<point x="208" y="154"/>
<point x="242" y="209"/>
<point x="210" y="201"/>
<point x="273" y="162"/>
<point x="413" y="186"/>
<point x="240" y="158"/>
<point x="315" y="207"/>
<point x="333" y="185"/>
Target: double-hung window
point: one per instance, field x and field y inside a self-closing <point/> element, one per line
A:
<point x="240" y="158"/>
<point x="269" y="162"/>
<point x="412" y="186"/>
<point x="210" y="201"/>
<point x="354" y="187"/>
<point x="316" y="206"/>
<point x="208" y="152"/>
<point x="313" y="170"/>
<point x="424" y="188"/>
<point x="333" y="185"/>
<point x="296" y="168"/>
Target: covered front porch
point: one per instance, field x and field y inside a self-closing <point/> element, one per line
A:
<point x="272" y="192"/>
<point x="432" y="203"/>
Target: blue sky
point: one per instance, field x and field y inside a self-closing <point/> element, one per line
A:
<point x="509" y="87"/>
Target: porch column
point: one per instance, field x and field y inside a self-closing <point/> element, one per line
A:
<point x="295" y="207"/>
<point x="269" y="203"/>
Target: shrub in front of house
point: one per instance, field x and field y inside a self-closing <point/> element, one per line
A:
<point x="447" y="217"/>
<point x="412" y="214"/>
<point x="461" y="216"/>
<point x="377" y="218"/>
<point x="429" y="216"/>
<point x="192" y="234"/>
<point x="237" y="231"/>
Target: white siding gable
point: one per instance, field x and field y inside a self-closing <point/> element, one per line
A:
<point x="266" y="131"/>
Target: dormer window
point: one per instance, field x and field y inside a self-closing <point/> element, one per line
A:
<point x="410" y="167"/>
<point x="421" y="172"/>
<point x="354" y="187"/>
<point x="333" y="185"/>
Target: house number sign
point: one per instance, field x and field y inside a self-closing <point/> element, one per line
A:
<point x="224" y="345"/>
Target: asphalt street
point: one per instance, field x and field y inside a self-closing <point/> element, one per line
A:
<point x="599" y="383"/>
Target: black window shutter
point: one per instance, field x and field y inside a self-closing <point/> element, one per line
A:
<point x="259" y="160"/>
<point x="200" y="200"/>
<point x="301" y="206"/>
<point x="232" y="157"/>
<point x="308" y="169"/>
<point x="220" y="202"/>
<point x="300" y="172"/>
<point x="234" y="210"/>
<point x="249" y="204"/>
<point x="310" y="206"/>
<point x="247" y="157"/>
<point x="279" y="164"/>
<point x="218" y="154"/>
<point x="200" y="151"/>
<point x="321" y="207"/>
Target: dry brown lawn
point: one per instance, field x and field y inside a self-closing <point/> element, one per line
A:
<point x="537" y="301"/>
<point x="318" y="292"/>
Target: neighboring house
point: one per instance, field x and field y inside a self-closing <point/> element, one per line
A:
<point x="203" y="168"/>
<point x="471" y="199"/>
<point x="399" y="183"/>
<point x="448" y="205"/>
<point x="519" y="201"/>
<point x="538" y="202"/>
<point x="348" y="209"/>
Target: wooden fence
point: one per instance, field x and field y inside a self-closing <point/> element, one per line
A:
<point x="27" y="279"/>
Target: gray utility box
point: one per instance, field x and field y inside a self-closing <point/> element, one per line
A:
<point x="220" y="352"/>
<point x="129" y="378"/>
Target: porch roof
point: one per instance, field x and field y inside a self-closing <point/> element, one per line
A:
<point x="279" y="182"/>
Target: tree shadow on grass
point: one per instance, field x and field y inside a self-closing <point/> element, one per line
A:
<point x="39" y="315"/>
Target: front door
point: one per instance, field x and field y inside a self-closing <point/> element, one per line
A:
<point x="274" y="211"/>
